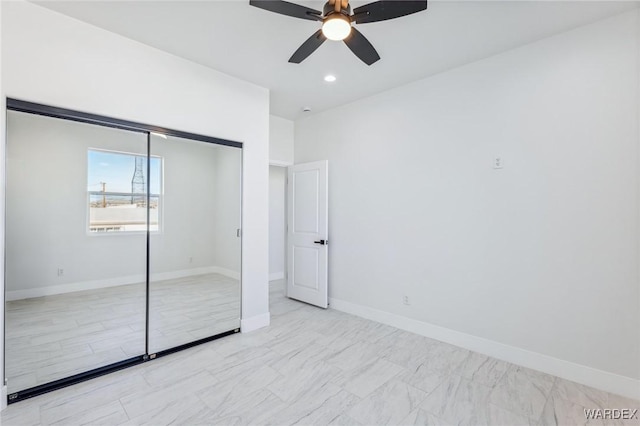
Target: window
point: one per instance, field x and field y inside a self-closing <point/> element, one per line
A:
<point x="117" y="188"/>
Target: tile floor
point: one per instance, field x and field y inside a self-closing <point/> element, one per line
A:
<point x="53" y="337"/>
<point x="313" y="366"/>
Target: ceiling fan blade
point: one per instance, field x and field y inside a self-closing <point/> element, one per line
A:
<point x="286" y="8"/>
<point x="361" y="47"/>
<point x="389" y="9"/>
<point x="308" y="47"/>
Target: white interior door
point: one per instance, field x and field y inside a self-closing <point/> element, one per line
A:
<point x="307" y="232"/>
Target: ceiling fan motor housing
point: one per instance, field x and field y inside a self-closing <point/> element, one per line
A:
<point x="329" y="9"/>
<point x="337" y="22"/>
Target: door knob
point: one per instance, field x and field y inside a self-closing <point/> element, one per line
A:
<point x="321" y="242"/>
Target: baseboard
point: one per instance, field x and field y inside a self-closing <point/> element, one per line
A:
<point x="114" y="282"/>
<point x="226" y="272"/>
<point x="589" y="376"/>
<point x="51" y="290"/>
<point x="183" y="273"/>
<point x="3" y="398"/>
<point x="276" y="276"/>
<point x="253" y="323"/>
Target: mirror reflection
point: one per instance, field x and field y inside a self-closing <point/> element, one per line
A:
<point x="103" y="224"/>
<point x="75" y="287"/>
<point x="194" y="289"/>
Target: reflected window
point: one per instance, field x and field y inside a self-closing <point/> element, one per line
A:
<point x="117" y="191"/>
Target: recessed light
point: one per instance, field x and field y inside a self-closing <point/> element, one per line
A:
<point x="306" y="109"/>
<point x="329" y="78"/>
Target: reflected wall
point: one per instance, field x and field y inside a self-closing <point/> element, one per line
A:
<point x="194" y="288"/>
<point x="121" y="245"/>
<point x="75" y="297"/>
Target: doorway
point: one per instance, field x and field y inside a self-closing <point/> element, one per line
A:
<point x="277" y="230"/>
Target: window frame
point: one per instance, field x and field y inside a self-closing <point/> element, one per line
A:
<point x="160" y="196"/>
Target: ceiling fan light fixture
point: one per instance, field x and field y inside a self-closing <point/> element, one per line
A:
<point x="336" y="27"/>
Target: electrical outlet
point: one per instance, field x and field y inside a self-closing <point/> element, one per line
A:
<point x="60" y="272"/>
<point x="498" y="162"/>
<point x="405" y="300"/>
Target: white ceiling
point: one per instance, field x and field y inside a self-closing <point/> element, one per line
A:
<point x="255" y="45"/>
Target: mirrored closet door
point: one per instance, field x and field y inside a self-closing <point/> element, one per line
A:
<point x="122" y="244"/>
<point x="194" y="286"/>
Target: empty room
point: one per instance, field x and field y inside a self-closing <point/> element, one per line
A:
<point x="342" y="212"/>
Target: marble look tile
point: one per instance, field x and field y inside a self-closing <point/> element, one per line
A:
<point x="311" y="366"/>
<point x="618" y="401"/>
<point x="482" y="369"/>
<point x="405" y="340"/>
<point x="69" y="367"/>
<point x="559" y="412"/>
<point x="21" y="381"/>
<point x="367" y="331"/>
<point x="424" y="378"/>
<point x="621" y="402"/>
<point x="107" y="415"/>
<point x="499" y="416"/>
<point x="343" y="420"/>
<point x="293" y="342"/>
<point x="365" y="379"/>
<point x="172" y="368"/>
<point x="405" y="349"/>
<point x="153" y="400"/>
<point x="250" y="408"/>
<point x="109" y="322"/>
<point x="292" y="385"/>
<point x="89" y="395"/>
<point x="388" y="404"/>
<point x="189" y="410"/>
<point x="249" y="356"/>
<point x="229" y="370"/>
<point x="304" y="358"/>
<point x="353" y="356"/>
<point x="460" y="401"/>
<point x="580" y="394"/>
<point x="444" y="357"/>
<point x="420" y="417"/>
<point x="23" y="413"/>
<point x="233" y="387"/>
<point x="318" y="406"/>
<point x="523" y="391"/>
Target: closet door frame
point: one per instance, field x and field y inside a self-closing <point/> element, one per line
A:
<point x="83" y="117"/>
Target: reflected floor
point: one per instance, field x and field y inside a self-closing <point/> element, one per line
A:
<point x="320" y="367"/>
<point x="52" y="337"/>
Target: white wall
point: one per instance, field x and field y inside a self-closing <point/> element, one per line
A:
<point x="3" y="394"/>
<point x="280" y="141"/>
<point x="55" y="60"/>
<point x="228" y="193"/>
<point x="536" y="263"/>
<point x="277" y="190"/>
<point x="46" y="216"/>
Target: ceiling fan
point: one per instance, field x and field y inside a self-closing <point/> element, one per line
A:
<point x="337" y="20"/>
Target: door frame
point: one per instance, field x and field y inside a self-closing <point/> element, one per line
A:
<point x="284" y="165"/>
